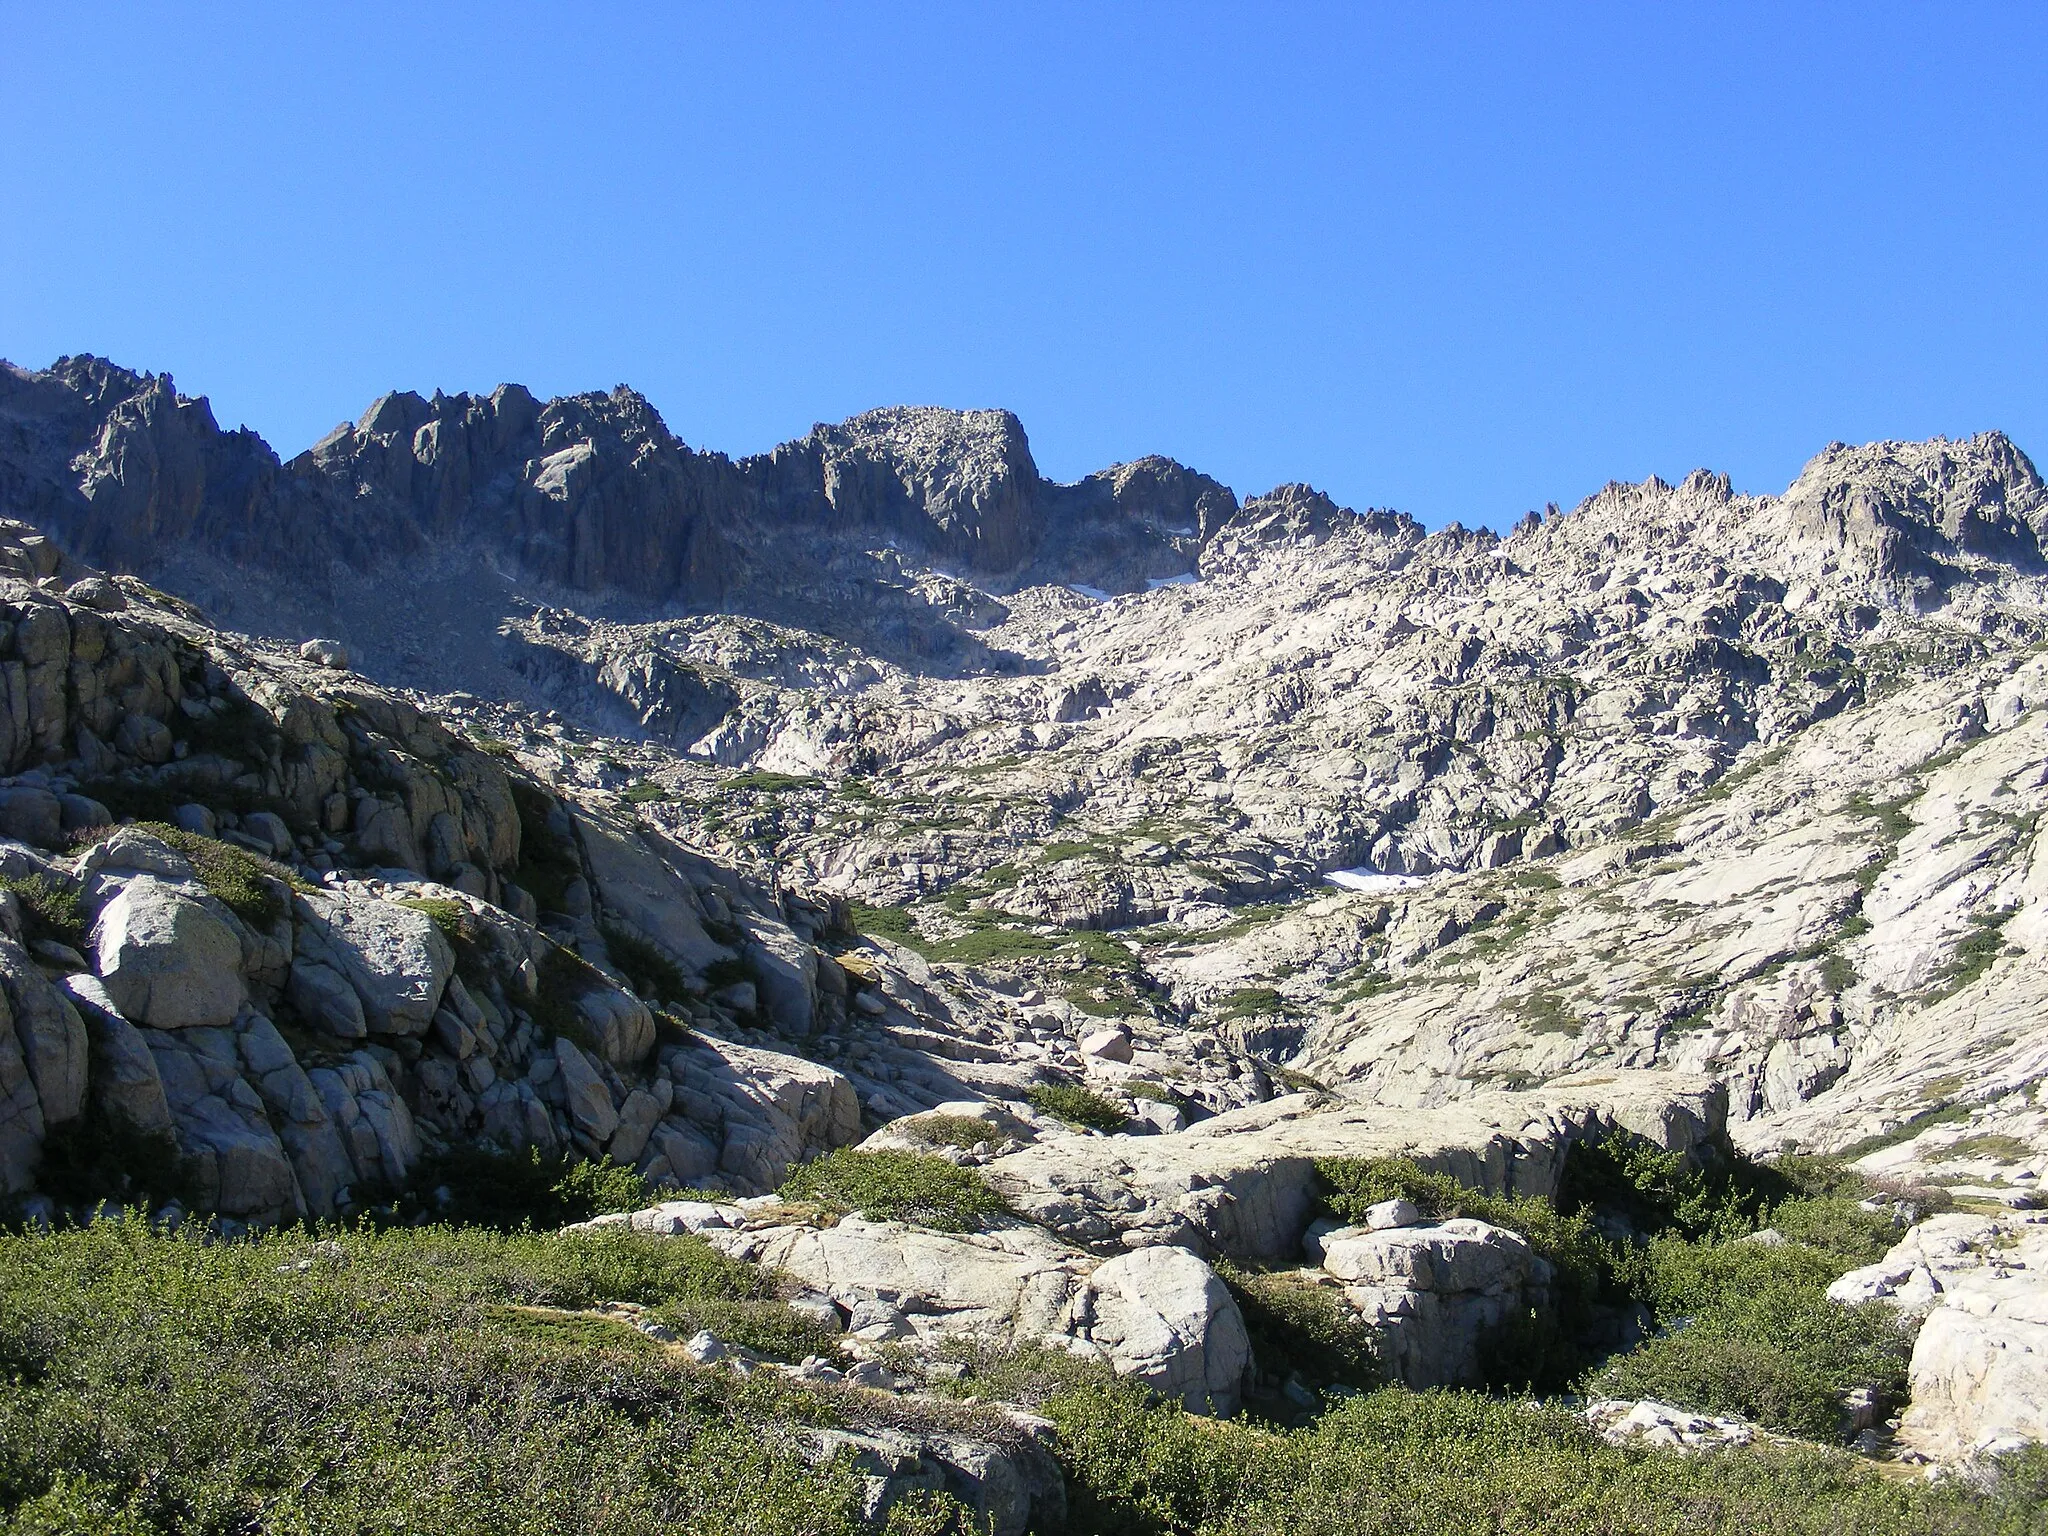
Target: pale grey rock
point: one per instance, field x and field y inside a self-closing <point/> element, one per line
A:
<point x="1243" y="1183"/>
<point x="168" y="960"/>
<point x="325" y="998"/>
<point x="1168" y="1320"/>
<point x="757" y="1111"/>
<point x="1159" y="1314"/>
<point x="637" y="1118"/>
<point x="326" y="653"/>
<point x="394" y="957"/>
<point x="1434" y="1293"/>
<point x="371" y="1117"/>
<point x="618" y="1024"/>
<point x="1389" y="1214"/>
<point x="1009" y="1488"/>
<point x="1660" y="1425"/>
<point x="587" y="1099"/>
<point x="1107" y="1045"/>
<point x="241" y="1167"/>
<point x="52" y="1036"/>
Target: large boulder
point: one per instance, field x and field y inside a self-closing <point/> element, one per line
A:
<point x="1435" y="1293"/>
<point x="639" y="890"/>
<point x="1167" y="1319"/>
<point x="168" y="959"/>
<point x="392" y="955"/>
<point x="1979" y="1373"/>
<point x="1160" y="1315"/>
<point x="240" y="1166"/>
<point x="745" y="1115"/>
<point x="52" y="1036"/>
<point x="619" y="1026"/>
<point x="1011" y="1485"/>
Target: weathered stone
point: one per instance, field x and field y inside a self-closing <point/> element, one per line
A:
<point x="168" y="961"/>
<point x="588" y="1101"/>
<point x="394" y="956"/>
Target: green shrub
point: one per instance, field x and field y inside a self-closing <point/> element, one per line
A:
<point x="1303" y="1329"/>
<point x="1253" y="1002"/>
<point x="400" y="1381"/>
<point x="243" y="882"/>
<point x="651" y="972"/>
<point x="924" y="1190"/>
<point x="384" y="1382"/>
<point x="1837" y="1226"/>
<point x="1783" y="1356"/>
<point x="509" y="1190"/>
<point x="50" y="909"/>
<point x="1656" y="1190"/>
<point x="1076" y="1105"/>
<point x="963" y="1131"/>
<point x="1683" y="1279"/>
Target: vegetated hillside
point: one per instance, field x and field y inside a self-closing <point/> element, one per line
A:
<point x="1256" y="950"/>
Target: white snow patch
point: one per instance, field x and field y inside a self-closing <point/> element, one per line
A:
<point x="1372" y="881"/>
<point x="1095" y="594"/>
<point x="1185" y="579"/>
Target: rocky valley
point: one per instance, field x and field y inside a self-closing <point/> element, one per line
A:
<point x="1253" y="948"/>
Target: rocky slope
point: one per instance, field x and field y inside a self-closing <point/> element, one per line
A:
<point x="748" y="807"/>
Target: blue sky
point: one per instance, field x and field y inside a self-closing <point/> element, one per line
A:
<point x="1461" y="260"/>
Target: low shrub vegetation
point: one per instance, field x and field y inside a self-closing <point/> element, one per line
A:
<point x="919" y="1188"/>
<point x="50" y="909"/>
<point x="962" y="1131"/>
<point x="1076" y="1105"/>
<point x="418" y="1380"/>
<point x="437" y="1379"/>
<point x="505" y="1191"/>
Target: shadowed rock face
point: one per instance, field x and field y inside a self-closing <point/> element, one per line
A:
<point x="590" y="492"/>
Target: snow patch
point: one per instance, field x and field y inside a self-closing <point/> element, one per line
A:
<point x="1094" y="594"/>
<point x="1372" y="881"/>
<point x="1185" y="579"/>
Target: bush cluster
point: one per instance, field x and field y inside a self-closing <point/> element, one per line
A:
<point x="919" y="1188"/>
<point x="478" y="1185"/>
<point x="1744" y="1328"/>
<point x="401" y="1381"/>
<point x="1076" y="1105"/>
<point x="434" y="1379"/>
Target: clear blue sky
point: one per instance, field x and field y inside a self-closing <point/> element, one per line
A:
<point x="1456" y="259"/>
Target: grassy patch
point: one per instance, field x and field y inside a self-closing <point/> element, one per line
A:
<point x="1997" y="1149"/>
<point x="50" y="909"/>
<point x="386" y="1382"/>
<point x="912" y="1187"/>
<point x="1972" y="957"/>
<point x="761" y="783"/>
<point x="1253" y="1003"/>
<point x="244" y="883"/>
<point x="891" y="923"/>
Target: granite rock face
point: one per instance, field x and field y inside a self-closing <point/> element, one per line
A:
<point x="711" y="814"/>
